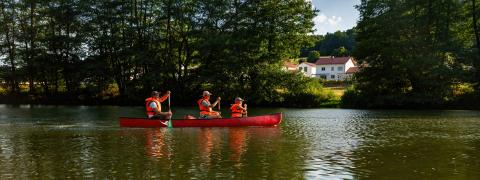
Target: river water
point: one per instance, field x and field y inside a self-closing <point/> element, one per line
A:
<point x="79" y="142"/>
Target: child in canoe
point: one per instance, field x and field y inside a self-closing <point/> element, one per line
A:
<point x="237" y="109"/>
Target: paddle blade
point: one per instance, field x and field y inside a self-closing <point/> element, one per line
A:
<point x="169" y="124"/>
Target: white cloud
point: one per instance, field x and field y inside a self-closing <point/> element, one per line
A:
<point x="324" y="23"/>
<point x="320" y="19"/>
<point x="334" y="20"/>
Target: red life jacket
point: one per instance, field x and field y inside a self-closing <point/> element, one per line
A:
<point x="203" y="109"/>
<point x="236" y="111"/>
<point x="151" y="111"/>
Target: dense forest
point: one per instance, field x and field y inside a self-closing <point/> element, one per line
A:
<point x="410" y="53"/>
<point x="340" y="44"/>
<point x="417" y="54"/>
<point x="117" y="52"/>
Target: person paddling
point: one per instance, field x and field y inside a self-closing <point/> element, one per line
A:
<point x="237" y="109"/>
<point x="205" y="107"/>
<point x="154" y="108"/>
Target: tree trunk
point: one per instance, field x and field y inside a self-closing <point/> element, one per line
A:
<point x="10" y="38"/>
<point x="31" y="53"/>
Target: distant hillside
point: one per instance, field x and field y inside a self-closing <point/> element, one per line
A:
<point x="340" y="43"/>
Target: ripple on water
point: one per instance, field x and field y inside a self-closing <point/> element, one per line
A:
<point x="86" y="142"/>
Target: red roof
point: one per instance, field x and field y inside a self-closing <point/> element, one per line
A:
<point x="309" y="64"/>
<point x="332" y="60"/>
<point x="288" y="64"/>
<point x="352" y="70"/>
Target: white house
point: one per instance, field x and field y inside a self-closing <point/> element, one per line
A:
<point x="308" y="69"/>
<point x="335" y="68"/>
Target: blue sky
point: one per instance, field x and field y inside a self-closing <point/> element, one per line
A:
<point x="335" y="15"/>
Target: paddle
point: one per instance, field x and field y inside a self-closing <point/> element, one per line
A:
<point x="169" y="123"/>
<point x="246" y="112"/>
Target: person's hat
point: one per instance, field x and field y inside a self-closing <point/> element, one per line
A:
<point x="155" y="93"/>
<point x="238" y="99"/>
<point x="206" y="93"/>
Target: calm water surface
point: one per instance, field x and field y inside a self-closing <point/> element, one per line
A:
<point x="81" y="142"/>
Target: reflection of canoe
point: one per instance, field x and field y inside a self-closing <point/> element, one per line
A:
<point x="264" y="120"/>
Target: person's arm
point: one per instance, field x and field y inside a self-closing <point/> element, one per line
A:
<point x="166" y="113"/>
<point x="164" y="97"/>
<point x="242" y="108"/>
<point x="216" y="102"/>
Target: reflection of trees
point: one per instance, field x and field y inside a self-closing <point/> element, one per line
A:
<point x="51" y="151"/>
<point x="57" y="151"/>
<point x="273" y="154"/>
<point x="247" y="152"/>
<point x="47" y="152"/>
<point x="417" y="144"/>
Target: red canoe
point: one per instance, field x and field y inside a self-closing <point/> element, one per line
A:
<point x="264" y="120"/>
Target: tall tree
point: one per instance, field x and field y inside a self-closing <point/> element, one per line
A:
<point x="183" y="45"/>
<point x="408" y="50"/>
<point x="9" y="32"/>
<point x="474" y="11"/>
<point x="28" y="23"/>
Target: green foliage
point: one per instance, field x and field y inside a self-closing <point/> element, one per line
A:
<point x="82" y="47"/>
<point x="412" y="53"/>
<point x="3" y="91"/>
<point x="287" y="89"/>
<point x="330" y="43"/>
<point x="312" y="95"/>
<point x="313" y="56"/>
<point x="341" y="52"/>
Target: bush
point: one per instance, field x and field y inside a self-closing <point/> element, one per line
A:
<point x="277" y="87"/>
<point x="3" y="91"/>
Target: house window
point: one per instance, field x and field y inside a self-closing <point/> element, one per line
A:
<point x="333" y="69"/>
<point x="323" y="68"/>
<point x="332" y="76"/>
<point x="300" y="68"/>
<point x="340" y="68"/>
<point x="305" y="69"/>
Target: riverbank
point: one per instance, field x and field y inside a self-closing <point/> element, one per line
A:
<point x="125" y="101"/>
<point x="336" y="100"/>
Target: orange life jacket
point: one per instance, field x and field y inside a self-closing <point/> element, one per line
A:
<point x="236" y="111"/>
<point x="203" y="109"/>
<point x="151" y="111"/>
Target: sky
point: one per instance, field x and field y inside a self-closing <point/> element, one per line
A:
<point x="335" y="15"/>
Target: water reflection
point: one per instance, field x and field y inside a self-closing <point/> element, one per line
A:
<point x="85" y="142"/>
<point x="208" y="140"/>
<point x="417" y="144"/>
<point x="237" y="143"/>
<point x="155" y="143"/>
